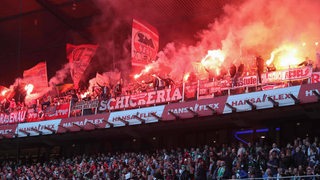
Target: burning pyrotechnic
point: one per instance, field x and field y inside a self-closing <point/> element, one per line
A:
<point x="143" y="72"/>
<point x="85" y="94"/>
<point x="29" y="88"/>
<point x="213" y="61"/>
<point x="186" y="77"/>
<point x="3" y="92"/>
<point x="284" y="57"/>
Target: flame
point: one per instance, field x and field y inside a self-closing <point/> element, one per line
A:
<point x="3" y="92"/>
<point x="212" y="62"/>
<point x="186" y="77"/>
<point x="85" y="94"/>
<point x="284" y="57"/>
<point x="29" y="88"/>
<point x="143" y="72"/>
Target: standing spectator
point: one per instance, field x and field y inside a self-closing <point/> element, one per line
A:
<point x="201" y="171"/>
<point x="273" y="163"/>
<point x="313" y="157"/>
<point x="298" y="157"/>
<point x="185" y="174"/>
<point x="241" y="150"/>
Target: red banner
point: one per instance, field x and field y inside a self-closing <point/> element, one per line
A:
<point x="141" y="100"/>
<point x="8" y="131"/>
<point x="37" y="76"/>
<point x="79" y="59"/>
<point x="191" y="90"/>
<point x="14" y="117"/>
<point x="315" y="77"/>
<point x="52" y="112"/>
<point x="307" y="93"/>
<point x="145" y="43"/>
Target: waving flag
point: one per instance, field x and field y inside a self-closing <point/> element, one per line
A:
<point x="144" y="44"/>
<point x="79" y="59"/>
<point x="37" y="76"/>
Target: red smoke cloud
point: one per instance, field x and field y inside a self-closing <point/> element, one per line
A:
<point x="255" y="27"/>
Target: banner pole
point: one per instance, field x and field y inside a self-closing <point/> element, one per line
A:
<point x="198" y="89"/>
<point x="183" y="90"/>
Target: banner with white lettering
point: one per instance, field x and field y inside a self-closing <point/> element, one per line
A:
<point x="8" y="131"/>
<point x="144" y="44"/>
<point x="136" y="116"/>
<point x="315" y="77"/>
<point x="141" y="100"/>
<point x="204" y="107"/>
<point x="14" y="117"/>
<point x="190" y="90"/>
<point x="85" y="105"/>
<point x="79" y="58"/>
<point x="89" y="122"/>
<point x="260" y="99"/>
<point x="37" y="128"/>
<point x="287" y="75"/>
<point x="52" y="112"/>
<point x="308" y="92"/>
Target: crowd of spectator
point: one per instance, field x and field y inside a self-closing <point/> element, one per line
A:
<point x="257" y="160"/>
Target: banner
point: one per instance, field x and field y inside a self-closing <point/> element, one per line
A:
<point x="14" y="117"/>
<point x="135" y="116"/>
<point x="79" y="59"/>
<point x="8" y="131"/>
<point x="315" y="77"/>
<point x="287" y="75"/>
<point x="52" y="112"/>
<point x="37" y="76"/>
<point x="308" y="92"/>
<point x="37" y="128"/>
<point x="144" y="44"/>
<point x="141" y="100"/>
<point x="204" y="107"/>
<point x="191" y="90"/>
<point x="85" y="105"/>
<point x="84" y="122"/>
<point x="260" y="99"/>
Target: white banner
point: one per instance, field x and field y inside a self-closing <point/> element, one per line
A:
<point x="260" y="99"/>
<point x="132" y="116"/>
<point x="36" y="128"/>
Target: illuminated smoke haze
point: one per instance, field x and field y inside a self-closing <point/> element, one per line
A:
<point x="242" y="31"/>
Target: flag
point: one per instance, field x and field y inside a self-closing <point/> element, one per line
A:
<point x="110" y="77"/>
<point x="144" y="44"/>
<point x="101" y="79"/>
<point x="62" y="88"/>
<point x="37" y="76"/>
<point x="79" y="58"/>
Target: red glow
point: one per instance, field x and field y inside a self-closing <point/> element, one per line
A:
<point x="29" y="88"/>
<point x="213" y="61"/>
<point x="284" y="57"/>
